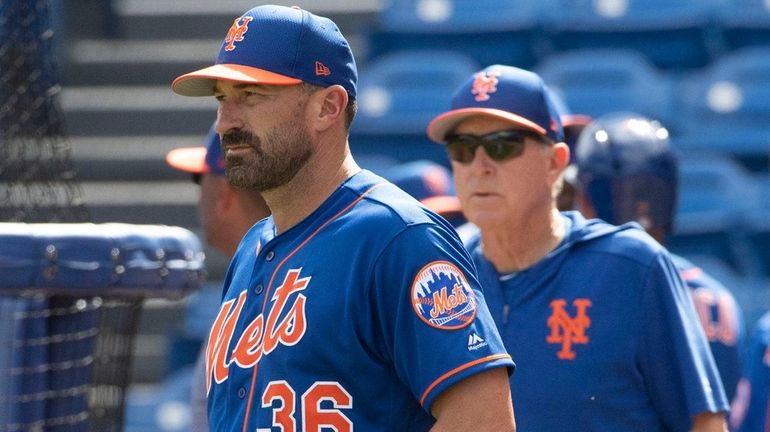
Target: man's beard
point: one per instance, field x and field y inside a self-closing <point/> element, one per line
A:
<point x="263" y="169"/>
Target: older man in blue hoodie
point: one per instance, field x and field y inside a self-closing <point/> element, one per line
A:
<point x="596" y="315"/>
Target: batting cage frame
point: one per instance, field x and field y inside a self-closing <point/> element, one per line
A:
<point x="71" y="292"/>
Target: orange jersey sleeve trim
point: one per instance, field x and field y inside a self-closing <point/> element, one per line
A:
<point x="459" y="369"/>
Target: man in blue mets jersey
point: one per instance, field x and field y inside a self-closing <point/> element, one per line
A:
<point x="602" y="328"/>
<point x="627" y="171"/>
<point x="351" y="306"/>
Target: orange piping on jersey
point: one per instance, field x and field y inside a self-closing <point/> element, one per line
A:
<point x="459" y="369"/>
<point x="275" y="272"/>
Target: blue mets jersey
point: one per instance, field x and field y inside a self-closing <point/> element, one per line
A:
<point x="751" y="409"/>
<point x="721" y="319"/>
<point x="360" y="315"/>
<point x="604" y="334"/>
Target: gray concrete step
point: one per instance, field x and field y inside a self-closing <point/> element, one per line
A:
<point x="128" y="158"/>
<point x="133" y="110"/>
<point x="135" y="62"/>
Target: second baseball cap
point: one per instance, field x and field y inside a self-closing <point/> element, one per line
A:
<point x="506" y="92"/>
<point x="199" y="160"/>
<point x="571" y="123"/>
<point x="277" y="45"/>
<point x="427" y="182"/>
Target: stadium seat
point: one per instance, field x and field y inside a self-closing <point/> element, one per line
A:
<point x="399" y="94"/>
<point x="491" y="31"/>
<point x="714" y="198"/>
<point x="162" y="408"/>
<point x="596" y="82"/>
<point x="673" y="34"/>
<point x="744" y="23"/>
<point x="726" y="108"/>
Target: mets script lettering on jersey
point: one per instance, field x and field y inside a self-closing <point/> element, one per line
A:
<point x="483" y="84"/>
<point x="566" y="330"/>
<point x="236" y="32"/>
<point x="442" y="298"/>
<point x="285" y="325"/>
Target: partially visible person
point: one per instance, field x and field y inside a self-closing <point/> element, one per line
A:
<point x="572" y="124"/>
<point x="627" y="172"/>
<point x="431" y="184"/>
<point x="351" y="306"/>
<point x="224" y="211"/>
<point x="225" y="214"/>
<point x="599" y="320"/>
<point x="751" y="407"/>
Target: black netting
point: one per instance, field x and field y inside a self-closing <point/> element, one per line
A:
<point x="69" y="364"/>
<point x="38" y="181"/>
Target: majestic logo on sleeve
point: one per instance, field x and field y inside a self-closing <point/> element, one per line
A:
<point x="236" y="32"/>
<point x="566" y="330"/>
<point x="442" y="298"/>
<point x="484" y="84"/>
<point x="285" y="325"/>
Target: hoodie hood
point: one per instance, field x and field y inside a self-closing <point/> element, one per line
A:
<point x="582" y="234"/>
<point x="580" y="231"/>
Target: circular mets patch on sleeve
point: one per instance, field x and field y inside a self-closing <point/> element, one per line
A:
<point x="442" y="297"/>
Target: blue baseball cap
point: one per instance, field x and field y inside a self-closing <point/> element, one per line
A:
<point x="427" y="182"/>
<point x="572" y="124"/>
<point x="199" y="160"/>
<point x="506" y="92"/>
<point x="277" y="45"/>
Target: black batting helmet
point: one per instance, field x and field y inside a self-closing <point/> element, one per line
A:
<point x="627" y="170"/>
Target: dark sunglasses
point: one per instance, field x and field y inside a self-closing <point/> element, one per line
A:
<point x="499" y="146"/>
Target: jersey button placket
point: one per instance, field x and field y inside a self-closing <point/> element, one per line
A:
<point x="269" y="256"/>
<point x="241" y="393"/>
<point x="258" y="289"/>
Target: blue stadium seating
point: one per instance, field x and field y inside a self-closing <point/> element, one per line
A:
<point x="399" y="94"/>
<point x="673" y="34"/>
<point x="758" y="222"/>
<point x="744" y="23"/>
<point x="162" y="408"/>
<point x="490" y="31"/>
<point x="714" y="198"/>
<point x="727" y="108"/>
<point x="596" y="82"/>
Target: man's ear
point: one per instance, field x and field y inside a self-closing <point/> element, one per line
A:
<point x="558" y="161"/>
<point x="561" y="156"/>
<point x="329" y="106"/>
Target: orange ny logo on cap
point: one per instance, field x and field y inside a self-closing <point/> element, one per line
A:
<point x="236" y="32"/>
<point x="483" y="84"/>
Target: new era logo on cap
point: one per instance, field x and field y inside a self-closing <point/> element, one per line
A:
<point x="321" y="69"/>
